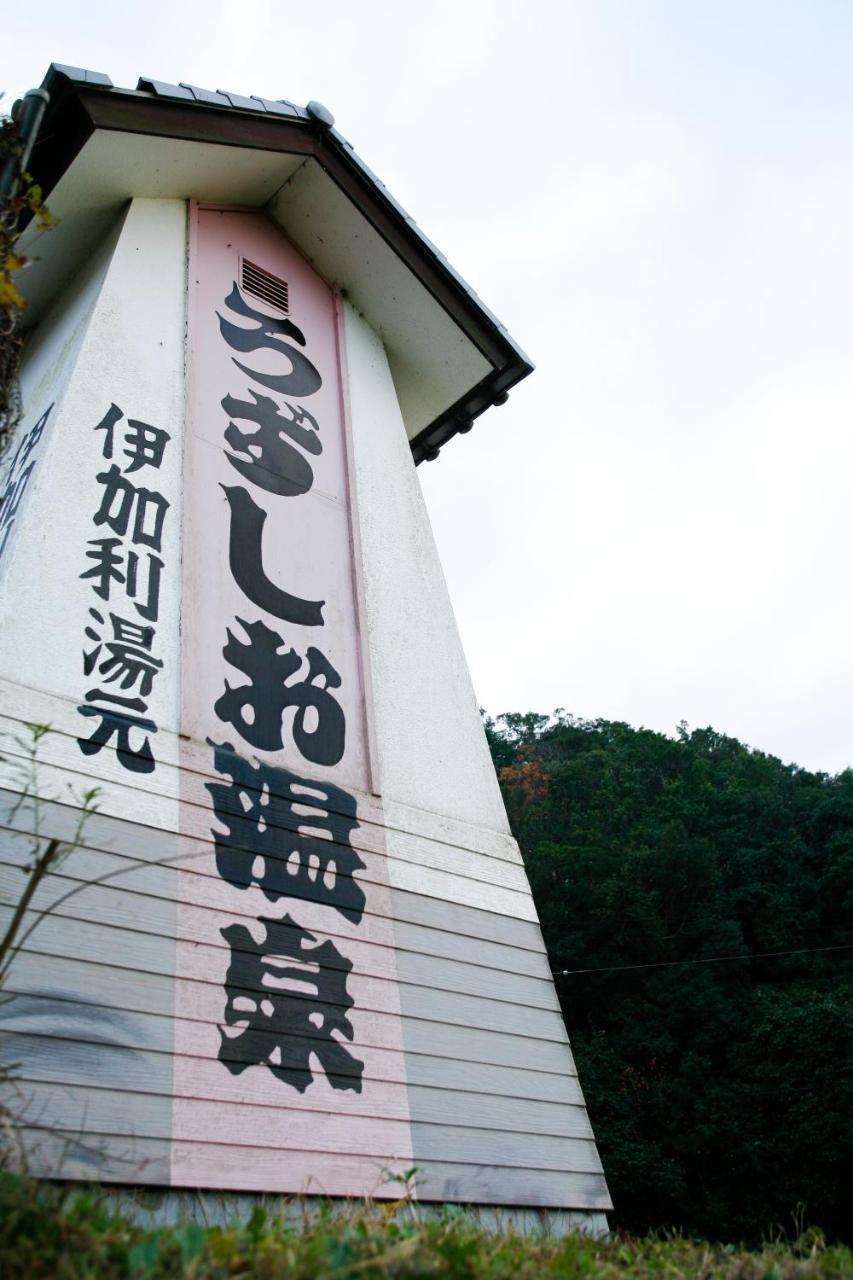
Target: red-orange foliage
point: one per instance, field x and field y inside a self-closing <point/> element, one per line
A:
<point x="528" y="778"/>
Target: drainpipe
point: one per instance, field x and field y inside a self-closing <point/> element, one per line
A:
<point x="27" y="114"/>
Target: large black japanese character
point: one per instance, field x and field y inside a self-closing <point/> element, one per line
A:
<point x="271" y="462"/>
<point x="287" y="999"/>
<point x="107" y="569"/>
<point x="302" y="379"/>
<point x="18" y="478"/>
<point x="245" y="555"/>
<point x="128" y="658"/>
<point x="11" y="499"/>
<point x="121" y="498"/>
<point x="291" y="836"/>
<point x="140" y="760"/>
<point x="30" y="440"/>
<point x="145" y="444"/>
<point x="256" y="709"/>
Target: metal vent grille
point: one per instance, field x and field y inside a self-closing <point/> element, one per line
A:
<point x="262" y="284"/>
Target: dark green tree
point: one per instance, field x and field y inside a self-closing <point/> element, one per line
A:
<point x="721" y="1091"/>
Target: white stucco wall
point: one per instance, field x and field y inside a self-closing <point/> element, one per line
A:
<point x="116" y="336"/>
<point x="52" y="349"/>
<point x="49" y="357"/>
<point x="432" y="750"/>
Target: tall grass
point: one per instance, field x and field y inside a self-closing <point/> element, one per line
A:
<point x="63" y="1234"/>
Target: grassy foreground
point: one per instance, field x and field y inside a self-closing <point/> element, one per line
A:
<point x="46" y="1232"/>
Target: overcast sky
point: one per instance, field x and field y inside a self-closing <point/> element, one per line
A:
<point x="656" y="197"/>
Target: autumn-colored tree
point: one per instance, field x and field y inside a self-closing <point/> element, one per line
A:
<point x="20" y="201"/>
<point x="526" y="778"/>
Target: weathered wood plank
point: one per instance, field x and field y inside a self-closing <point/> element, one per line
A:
<point x="58" y="1020"/>
<point x="450" y="831"/>
<point x="443" y="1182"/>
<point x="83" y="984"/>
<point x="458" y="876"/>
<point x="76" y="1063"/>
<point x="140" y="843"/>
<point x="90" y="865"/>
<point x="87" y="1108"/>
<point x="460" y="1076"/>
<point x="51" y="1153"/>
<point x="465" y="945"/>
<point x="67" y="1023"/>
<point x="179" y="779"/>
<point x="130" y="908"/>
<point x="21" y="705"/>
<point x="465" y="1145"/>
<point x="196" y="1165"/>
<point x="141" y="959"/>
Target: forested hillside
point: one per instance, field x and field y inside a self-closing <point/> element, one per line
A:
<point x="721" y="1092"/>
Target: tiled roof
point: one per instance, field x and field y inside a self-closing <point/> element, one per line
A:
<point x="508" y="361"/>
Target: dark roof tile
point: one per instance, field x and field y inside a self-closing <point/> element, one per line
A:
<point x="280" y="108"/>
<point x="163" y="89"/>
<point x="239" y="101"/>
<point x="207" y="95"/>
<point x="79" y="75"/>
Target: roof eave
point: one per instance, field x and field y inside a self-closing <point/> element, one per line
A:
<point x="84" y="101"/>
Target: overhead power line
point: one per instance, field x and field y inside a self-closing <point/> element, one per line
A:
<point x="662" y="964"/>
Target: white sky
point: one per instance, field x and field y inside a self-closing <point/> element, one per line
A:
<point x="656" y="197"/>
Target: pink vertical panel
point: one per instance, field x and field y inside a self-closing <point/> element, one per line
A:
<point x="306" y="536"/>
<point x="289" y="1070"/>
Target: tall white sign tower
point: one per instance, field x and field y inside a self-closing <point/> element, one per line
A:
<point x="295" y="949"/>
